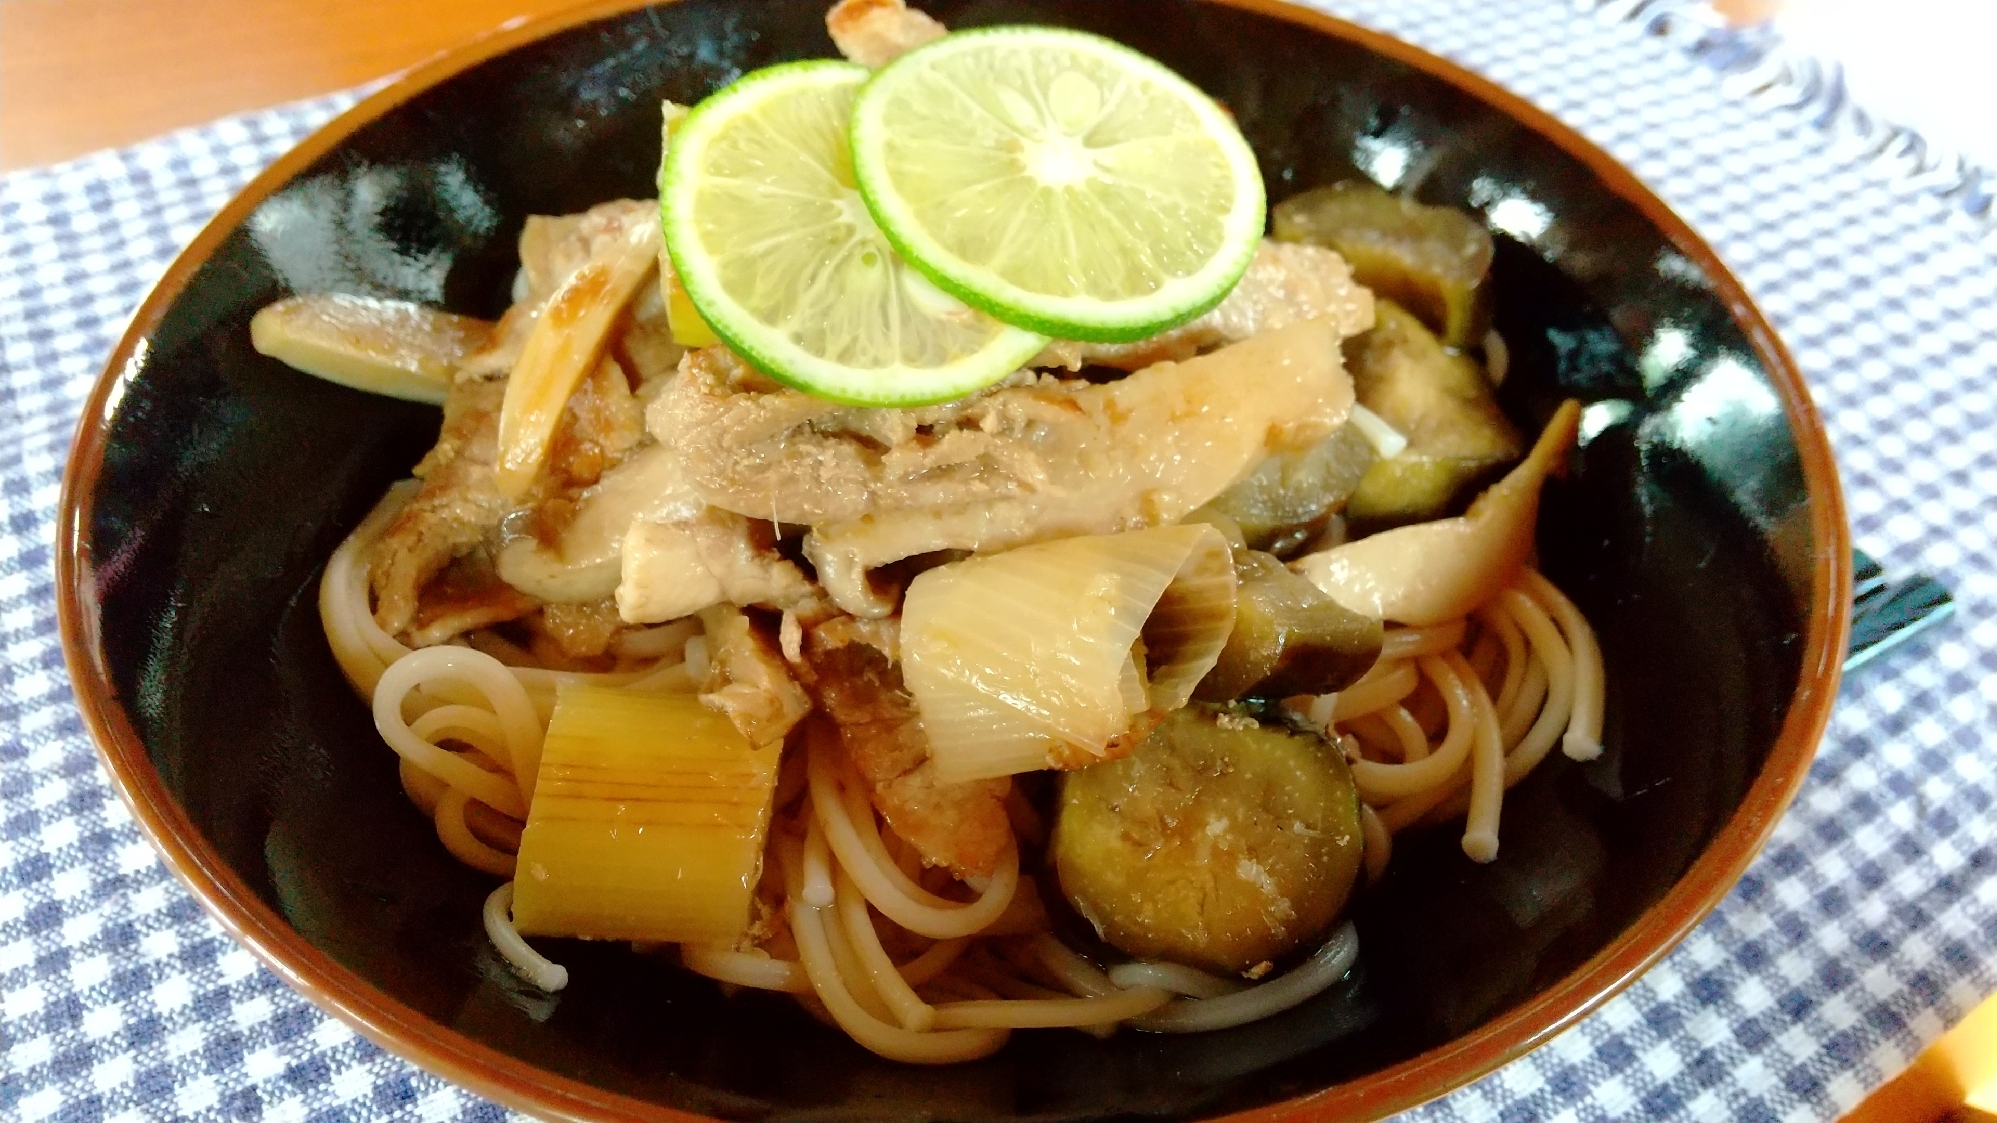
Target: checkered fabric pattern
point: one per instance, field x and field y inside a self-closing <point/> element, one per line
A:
<point x="1867" y="927"/>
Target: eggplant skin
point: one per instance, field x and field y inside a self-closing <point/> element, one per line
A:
<point x="1443" y="404"/>
<point x="1435" y="261"/>
<point x="1289" y="637"/>
<point x="1220" y="843"/>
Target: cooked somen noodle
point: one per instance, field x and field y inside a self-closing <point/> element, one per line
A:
<point x="842" y="702"/>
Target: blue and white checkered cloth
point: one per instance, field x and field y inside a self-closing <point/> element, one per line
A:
<point x="1867" y="927"/>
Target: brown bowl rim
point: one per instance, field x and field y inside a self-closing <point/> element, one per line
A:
<point x="515" y="1083"/>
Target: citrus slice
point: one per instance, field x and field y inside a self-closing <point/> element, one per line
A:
<point x="769" y="237"/>
<point x="1059" y="181"/>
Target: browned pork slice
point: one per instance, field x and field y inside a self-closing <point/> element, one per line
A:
<point x="1286" y="283"/>
<point x="876" y="32"/>
<point x="749" y="445"/>
<point x="1037" y="458"/>
<point x="852" y="673"/>
<point x="747" y="680"/>
<point x="453" y="513"/>
<point x="460" y="508"/>
<point x="678" y="567"/>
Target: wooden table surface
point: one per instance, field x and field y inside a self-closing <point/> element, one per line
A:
<point x="79" y="75"/>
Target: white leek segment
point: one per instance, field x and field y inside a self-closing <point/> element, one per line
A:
<point x="389" y="347"/>
<point x="1438" y="571"/>
<point x="647" y="823"/>
<point x="1024" y="660"/>
<point x="564" y="346"/>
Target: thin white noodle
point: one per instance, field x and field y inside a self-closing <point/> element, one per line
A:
<point x="659" y="642"/>
<point x="1517" y="655"/>
<point x="757" y="970"/>
<point x="469" y="724"/>
<point x="1518" y="718"/>
<point x="1404" y="813"/>
<point x="1175" y="977"/>
<point x="1319" y="712"/>
<point x="1414" y="740"/>
<point x="1486" y="657"/>
<point x="1411" y="643"/>
<point x="1049" y="1013"/>
<point x="502" y="693"/>
<point x="361" y="647"/>
<point x="1077" y="974"/>
<point x="1384" y="685"/>
<point x="1005" y="986"/>
<point x="1326" y="966"/>
<point x="905" y="874"/>
<point x="875" y="877"/>
<point x="1487" y="767"/>
<point x="497" y="791"/>
<point x="1379" y="782"/>
<point x="818" y="889"/>
<point x="532" y="965"/>
<point x="851" y="973"/>
<point x="1584" y="727"/>
<point x="423" y="789"/>
<point x="908" y="1008"/>
<point x="926" y="967"/>
<point x="1552" y="652"/>
<point x="457" y="838"/>
<point x="890" y="1041"/>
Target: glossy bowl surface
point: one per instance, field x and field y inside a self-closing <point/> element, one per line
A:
<point x="1702" y="532"/>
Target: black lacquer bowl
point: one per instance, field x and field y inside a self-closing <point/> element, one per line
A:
<point x="1702" y="532"/>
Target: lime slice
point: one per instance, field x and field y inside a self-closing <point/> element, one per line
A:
<point x="775" y="248"/>
<point x="1058" y="181"/>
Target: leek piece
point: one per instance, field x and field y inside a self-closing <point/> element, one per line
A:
<point x="647" y="822"/>
<point x="1434" y="572"/>
<point x="1024" y="660"/>
<point x="563" y="347"/>
<point x="389" y="347"/>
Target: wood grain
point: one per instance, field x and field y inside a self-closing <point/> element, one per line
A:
<point x="79" y="75"/>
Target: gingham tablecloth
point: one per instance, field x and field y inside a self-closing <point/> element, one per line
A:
<point x="1867" y="927"/>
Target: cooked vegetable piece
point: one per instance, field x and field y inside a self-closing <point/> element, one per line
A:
<point x="1295" y="489"/>
<point x="1219" y="843"/>
<point x="564" y="346"/>
<point x="647" y="822"/>
<point x="387" y="347"/>
<point x="1288" y="638"/>
<point x="1023" y="660"/>
<point x="1437" y="571"/>
<point x="1433" y="260"/>
<point x="1442" y="404"/>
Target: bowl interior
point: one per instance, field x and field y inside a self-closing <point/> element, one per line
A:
<point x="228" y="478"/>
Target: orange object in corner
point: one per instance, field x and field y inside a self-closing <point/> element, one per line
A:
<point x="1956" y="1079"/>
